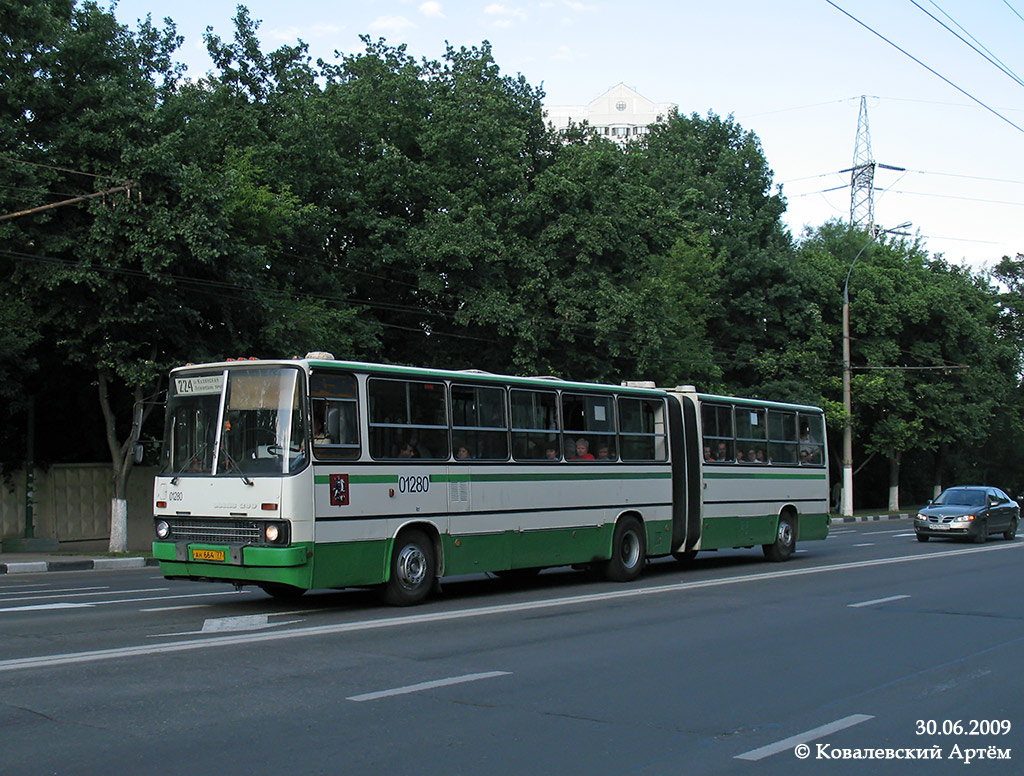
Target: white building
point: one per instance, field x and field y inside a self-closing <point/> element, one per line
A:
<point x="620" y="114"/>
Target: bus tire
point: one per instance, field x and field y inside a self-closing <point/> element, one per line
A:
<point x="413" y="568"/>
<point x="629" y="550"/>
<point x="281" y="591"/>
<point x="785" y="540"/>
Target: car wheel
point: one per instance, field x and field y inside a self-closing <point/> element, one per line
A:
<point x="982" y="536"/>
<point x="922" y="537"/>
<point x="1010" y="533"/>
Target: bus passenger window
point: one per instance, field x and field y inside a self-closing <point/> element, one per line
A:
<point x="408" y="419"/>
<point x="335" y="402"/>
<point x="534" y="425"/>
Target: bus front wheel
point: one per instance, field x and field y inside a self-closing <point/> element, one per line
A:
<point x="785" y="541"/>
<point x="629" y="550"/>
<point x="413" y="566"/>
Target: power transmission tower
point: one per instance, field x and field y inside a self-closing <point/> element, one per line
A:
<point x="862" y="174"/>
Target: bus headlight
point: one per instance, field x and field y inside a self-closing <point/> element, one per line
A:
<point x="163" y="529"/>
<point x="273" y="533"/>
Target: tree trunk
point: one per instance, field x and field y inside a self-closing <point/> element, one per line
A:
<point x="940" y="456"/>
<point x="122" y="456"/>
<point x="894" y="480"/>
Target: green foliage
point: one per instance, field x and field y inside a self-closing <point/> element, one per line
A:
<point x="409" y="211"/>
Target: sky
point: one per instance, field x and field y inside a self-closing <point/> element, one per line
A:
<point x="791" y="71"/>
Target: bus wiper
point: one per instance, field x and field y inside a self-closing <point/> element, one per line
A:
<point x="236" y="467"/>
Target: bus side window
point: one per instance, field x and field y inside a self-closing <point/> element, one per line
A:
<point x="642" y="429"/>
<point x="479" y="427"/>
<point x="716" y="422"/>
<point x="335" y="406"/>
<point x="408" y="419"/>
<point x="782" y="438"/>
<point x="534" y="425"/>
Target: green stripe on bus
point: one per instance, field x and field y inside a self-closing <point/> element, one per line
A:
<point x="762" y="476"/>
<point x="324" y="479"/>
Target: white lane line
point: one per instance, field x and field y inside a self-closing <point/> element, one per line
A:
<point x="878" y="601"/>
<point x="176" y="608"/>
<point x="44" y="661"/>
<point x="50" y="592"/>
<point x="878" y="533"/>
<point x="898" y="536"/>
<point x="865" y="544"/>
<point x="39" y="595"/>
<point x="122" y="600"/>
<point x="803" y="738"/>
<point x="45" y="607"/>
<point x="372" y="696"/>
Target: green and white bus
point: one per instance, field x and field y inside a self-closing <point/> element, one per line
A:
<point x="316" y="473"/>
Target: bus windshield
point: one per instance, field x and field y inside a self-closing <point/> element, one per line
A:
<point x="239" y="421"/>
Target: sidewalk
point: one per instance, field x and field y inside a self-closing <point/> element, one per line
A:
<point x="32" y="562"/>
<point x="870" y="518"/>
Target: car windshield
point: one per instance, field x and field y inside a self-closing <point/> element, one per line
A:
<point x="960" y="497"/>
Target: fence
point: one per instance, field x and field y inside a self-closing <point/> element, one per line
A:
<point x="72" y="505"/>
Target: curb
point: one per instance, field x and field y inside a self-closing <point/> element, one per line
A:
<point x="869" y="518"/>
<point x="35" y="566"/>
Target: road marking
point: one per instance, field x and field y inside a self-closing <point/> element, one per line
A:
<point x="45" y="607"/>
<point x="58" y="590"/>
<point x="803" y="738"/>
<point x="878" y="533"/>
<point x="865" y="544"/>
<point x="898" y="536"/>
<point x="372" y="696"/>
<point x="38" y="594"/>
<point x="45" y="661"/>
<point x="176" y="608"/>
<point x="878" y="601"/>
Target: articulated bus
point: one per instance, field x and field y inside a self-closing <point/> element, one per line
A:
<point x="316" y="473"/>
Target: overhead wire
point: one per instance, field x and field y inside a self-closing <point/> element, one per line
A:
<point x="987" y="55"/>
<point x="931" y="70"/>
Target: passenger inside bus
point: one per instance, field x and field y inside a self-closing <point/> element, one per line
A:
<point x="582" y="451"/>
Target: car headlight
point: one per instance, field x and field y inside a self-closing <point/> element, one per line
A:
<point x="963" y="519"/>
<point x="921" y="517"/>
<point x="163" y="529"/>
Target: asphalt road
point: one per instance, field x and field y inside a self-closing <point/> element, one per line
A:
<point x="866" y="646"/>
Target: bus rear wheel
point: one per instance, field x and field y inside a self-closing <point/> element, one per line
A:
<point x="413" y="567"/>
<point x="629" y="550"/>
<point x="785" y="541"/>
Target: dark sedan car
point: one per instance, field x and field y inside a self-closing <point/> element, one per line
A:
<point x="974" y="512"/>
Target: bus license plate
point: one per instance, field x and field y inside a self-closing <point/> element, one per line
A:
<point x="215" y="555"/>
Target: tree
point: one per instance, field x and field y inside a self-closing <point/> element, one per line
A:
<point x="715" y="179"/>
<point x="927" y="358"/>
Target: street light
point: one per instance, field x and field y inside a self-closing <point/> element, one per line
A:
<point x="846" y="507"/>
